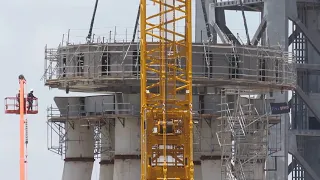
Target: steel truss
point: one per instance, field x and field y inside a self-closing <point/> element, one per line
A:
<point x="166" y="119"/>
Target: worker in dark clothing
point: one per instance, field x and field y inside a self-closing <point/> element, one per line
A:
<point x="31" y="97"/>
<point x="18" y="98"/>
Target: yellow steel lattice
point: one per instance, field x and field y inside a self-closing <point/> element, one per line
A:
<point x="166" y="90"/>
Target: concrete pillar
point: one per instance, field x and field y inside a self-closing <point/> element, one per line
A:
<point x="127" y="149"/>
<point x="79" y="151"/>
<point x="79" y="143"/>
<point x="107" y="154"/>
<point x="277" y="34"/>
<point x="210" y="151"/>
<point x="211" y="169"/>
<point x="277" y="23"/>
<point x="259" y="173"/>
<point x="210" y="148"/>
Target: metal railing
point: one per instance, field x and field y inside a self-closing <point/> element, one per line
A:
<point x="279" y="70"/>
<point x="11" y="104"/>
<point x="77" y="110"/>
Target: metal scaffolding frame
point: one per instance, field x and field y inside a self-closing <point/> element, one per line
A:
<point x="244" y="134"/>
<point x="56" y="124"/>
<point x="123" y="66"/>
<point x="56" y="129"/>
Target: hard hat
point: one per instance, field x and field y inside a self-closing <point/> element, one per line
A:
<point x="31" y="90"/>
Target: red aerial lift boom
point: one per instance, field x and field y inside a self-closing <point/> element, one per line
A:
<point x="18" y="105"/>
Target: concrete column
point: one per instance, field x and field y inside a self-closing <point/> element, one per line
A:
<point x="210" y="151"/>
<point x="79" y="151"/>
<point x="211" y="168"/>
<point x="210" y="148"/>
<point x="127" y="149"/>
<point x="79" y="143"/>
<point x="275" y="12"/>
<point x="277" y="23"/>
<point x="107" y="154"/>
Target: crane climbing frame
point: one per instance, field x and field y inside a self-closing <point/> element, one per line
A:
<point x="166" y="101"/>
<point x="17" y="105"/>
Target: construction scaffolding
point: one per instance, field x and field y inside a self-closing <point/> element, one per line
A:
<point x="248" y="128"/>
<point x="59" y="120"/>
<point x="102" y="117"/>
<point x="106" y="66"/>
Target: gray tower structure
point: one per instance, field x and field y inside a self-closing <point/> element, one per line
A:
<point x="300" y="137"/>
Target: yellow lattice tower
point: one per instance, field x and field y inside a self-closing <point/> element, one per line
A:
<point x="166" y="91"/>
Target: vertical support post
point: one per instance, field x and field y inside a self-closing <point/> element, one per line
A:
<point x="22" y="111"/>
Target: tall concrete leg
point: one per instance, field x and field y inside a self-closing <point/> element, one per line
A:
<point x="211" y="153"/>
<point x="127" y="149"/>
<point x="107" y="154"/>
<point x="79" y="151"/>
<point x="277" y="34"/>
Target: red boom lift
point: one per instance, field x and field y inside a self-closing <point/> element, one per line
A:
<point x="15" y="106"/>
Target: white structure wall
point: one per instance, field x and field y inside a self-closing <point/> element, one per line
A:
<point x="79" y="141"/>
<point x="210" y="148"/>
<point x="127" y="149"/>
<point x="79" y="151"/>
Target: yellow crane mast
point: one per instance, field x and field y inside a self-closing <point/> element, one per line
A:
<point x="166" y="91"/>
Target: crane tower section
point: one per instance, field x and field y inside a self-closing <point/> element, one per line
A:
<point x="166" y="90"/>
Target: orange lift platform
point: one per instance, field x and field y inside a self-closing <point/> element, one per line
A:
<point x="22" y="105"/>
<point x="12" y="106"/>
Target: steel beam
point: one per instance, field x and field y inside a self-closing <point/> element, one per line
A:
<point x="293" y="36"/>
<point x="311" y="36"/>
<point x="308" y="67"/>
<point x="304" y="163"/>
<point x="222" y="36"/>
<point x="258" y="34"/>
<point x="229" y="34"/>
<point x="308" y="102"/>
<point x="297" y="156"/>
<point x="292" y="165"/>
<point x="218" y="22"/>
<point x="305" y="132"/>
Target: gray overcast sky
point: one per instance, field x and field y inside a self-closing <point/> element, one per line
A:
<point x="26" y="26"/>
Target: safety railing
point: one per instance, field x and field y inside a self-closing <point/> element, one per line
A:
<point x="11" y="105"/>
<point x="101" y="109"/>
<point x="110" y="34"/>
<point x="249" y="130"/>
<point x="77" y="110"/>
<point x="250" y="64"/>
<point x="221" y="73"/>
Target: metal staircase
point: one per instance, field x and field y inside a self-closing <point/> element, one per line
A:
<point x="248" y="143"/>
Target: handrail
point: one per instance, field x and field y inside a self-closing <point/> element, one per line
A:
<point x="127" y="71"/>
